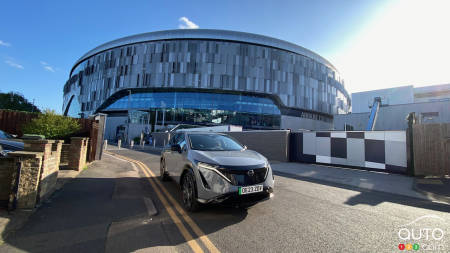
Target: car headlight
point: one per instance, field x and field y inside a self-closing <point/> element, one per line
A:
<point x="215" y="168"/>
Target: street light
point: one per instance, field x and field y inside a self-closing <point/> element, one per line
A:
<point x="129" y="117"/>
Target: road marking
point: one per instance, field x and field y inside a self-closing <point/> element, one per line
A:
<point x="209" y="245"/>
<point x="187" y="236"/>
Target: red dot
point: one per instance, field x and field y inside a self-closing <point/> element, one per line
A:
<point x="401" y="246"/>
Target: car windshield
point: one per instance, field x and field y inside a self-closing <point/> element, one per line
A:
<point x="213" y="142"/>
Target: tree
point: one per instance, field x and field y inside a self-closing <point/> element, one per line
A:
<point x="16" y="101"/>
<point x="52" y="125"/>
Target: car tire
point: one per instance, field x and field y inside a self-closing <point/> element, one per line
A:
<point x="189" y="192"/>
<point x="162" y="171"/>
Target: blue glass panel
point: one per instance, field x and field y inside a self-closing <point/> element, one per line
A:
<point x="74" y="109"/>
<point x="192" y="100"/>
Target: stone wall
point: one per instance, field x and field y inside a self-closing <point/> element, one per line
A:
<point x="7" y="167"/>
<point x="78" y="152"/>
<point x="51" y="150"/>
<point x="28" y="184"/>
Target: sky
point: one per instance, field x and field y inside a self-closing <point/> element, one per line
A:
<point x="374" y="44"/>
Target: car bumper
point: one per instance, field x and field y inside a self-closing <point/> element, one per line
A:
<point x="233" y="198"/>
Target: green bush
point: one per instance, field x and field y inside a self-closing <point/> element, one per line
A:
<point x="137" y="139"/>
<point x="52" y="125"/>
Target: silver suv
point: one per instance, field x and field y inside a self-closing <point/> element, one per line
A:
<point x="215" y="168"/>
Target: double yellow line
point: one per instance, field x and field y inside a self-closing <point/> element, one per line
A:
<point x="165" y="198"/>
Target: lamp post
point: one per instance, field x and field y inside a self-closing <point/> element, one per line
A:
<point x="163" y="106"/>
<point x="129" y="118"/>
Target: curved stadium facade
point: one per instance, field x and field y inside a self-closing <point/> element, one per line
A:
<point x="207" y="77"/>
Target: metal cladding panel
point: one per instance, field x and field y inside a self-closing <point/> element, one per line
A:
<point x="213" y="60"/>
<point x="208" y="34"/>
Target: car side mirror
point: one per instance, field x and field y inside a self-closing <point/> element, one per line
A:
<point x="175" y="147"/>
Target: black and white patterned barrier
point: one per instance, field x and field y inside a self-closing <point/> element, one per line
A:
<point x="383" y="150"/>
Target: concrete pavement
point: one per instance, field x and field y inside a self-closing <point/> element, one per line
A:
<point x="437" y="189"/>
<point x="370" y="180"/>
<point x="107" y="208"/>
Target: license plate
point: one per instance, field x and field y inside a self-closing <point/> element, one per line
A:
<point x="250" y="189"/>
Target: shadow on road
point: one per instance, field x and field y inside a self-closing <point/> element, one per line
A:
<point x="108" y="214"/>
<point x="372" y="197"/>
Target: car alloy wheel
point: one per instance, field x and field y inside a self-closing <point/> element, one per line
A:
<point x="162" y="171"/>
<point x="189" y="192"/>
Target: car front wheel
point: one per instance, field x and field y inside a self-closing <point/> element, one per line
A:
<point x="189" y="192"/>
<point x="162" y="171"/>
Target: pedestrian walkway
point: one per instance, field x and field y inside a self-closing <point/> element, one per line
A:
<point x="376" y="181"/>
<point x="107" y="207"/>
<point x="434" y="188"/>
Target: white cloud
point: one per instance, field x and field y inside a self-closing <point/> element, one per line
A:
<point x="185" y="23"/>
<point x="47" y="67"/>
<point x="5" y="44"/>
<point x="407" y="44"/>
<point x="14" y="64"/>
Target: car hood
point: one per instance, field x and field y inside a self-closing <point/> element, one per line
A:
<point x="230" y="158"/>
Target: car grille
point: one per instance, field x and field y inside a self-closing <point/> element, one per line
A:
<point x="242" y="177"/>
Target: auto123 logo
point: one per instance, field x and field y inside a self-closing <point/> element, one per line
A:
<point x="426" y="233"/>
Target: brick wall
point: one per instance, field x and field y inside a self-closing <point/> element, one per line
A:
<point x="65" y="149"/>
<point x="51" y="150"/>
<point x="78" y="152"/>
<point x="30" y="172"/>
<point x="7" y="167"/>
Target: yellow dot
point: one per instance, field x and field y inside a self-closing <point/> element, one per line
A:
<point x="409" y="246"/>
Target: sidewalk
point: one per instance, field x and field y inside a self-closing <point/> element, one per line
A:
<point x="14" y="220"/>
<point x="376" y="181"/>
<point x="437" y="189"/>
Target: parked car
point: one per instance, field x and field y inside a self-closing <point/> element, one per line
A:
<point x="8" y="143"/>
<point x="215" y="168"/>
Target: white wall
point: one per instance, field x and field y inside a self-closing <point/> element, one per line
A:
<point x="391" y="96"/>
<point x="394" y="117"/>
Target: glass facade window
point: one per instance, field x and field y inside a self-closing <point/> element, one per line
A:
<point x="74" y="109"/>
<point x="201" y="108"/>
<point x="139" y="117"/>
<point x="194" y="100"/>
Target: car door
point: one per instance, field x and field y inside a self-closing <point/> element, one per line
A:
<point x="180" y="157"/>
<point x="170" y="155"/>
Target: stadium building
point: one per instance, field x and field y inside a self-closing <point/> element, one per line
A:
<point x="206" y="77"/>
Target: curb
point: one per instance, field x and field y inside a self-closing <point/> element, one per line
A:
<point x="425" y="196"/>
<point x="431" y="196"/>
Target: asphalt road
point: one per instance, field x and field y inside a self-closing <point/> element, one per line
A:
<point x="111" y="207"/>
